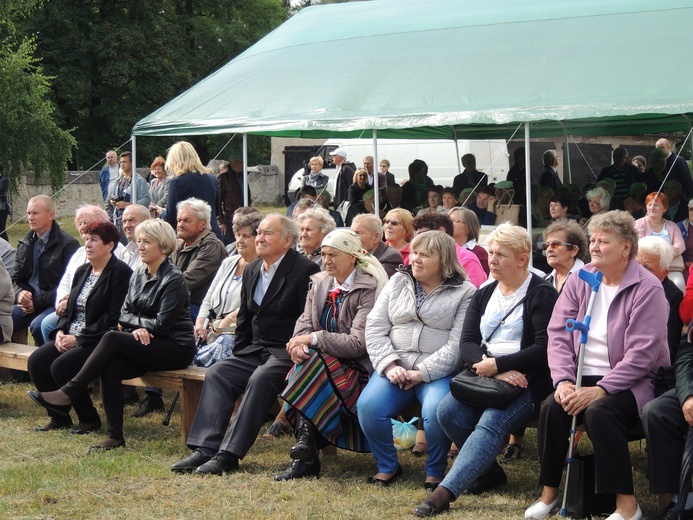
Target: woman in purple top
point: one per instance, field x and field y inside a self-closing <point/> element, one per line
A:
<point x="626" y="346"/>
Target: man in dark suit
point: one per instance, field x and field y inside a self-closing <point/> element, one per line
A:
<point x="370" y="230"/>
<point x="470" y="176"/>
<point x="679" y="168"/>
<point x="273" y="296"/>
<point x="549" y="176"/>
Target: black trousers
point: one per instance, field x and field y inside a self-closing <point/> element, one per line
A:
<point x="666" y="431"/>
<point x="607" y="422"/>
<point x="120" y="356"/>
<point x="50" y="369"/>
<point x="259" y="377"/>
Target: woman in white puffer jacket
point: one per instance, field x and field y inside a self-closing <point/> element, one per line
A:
<point x="413" y="341"/>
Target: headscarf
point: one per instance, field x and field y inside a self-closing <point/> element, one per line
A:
<point x="349" y="242"/>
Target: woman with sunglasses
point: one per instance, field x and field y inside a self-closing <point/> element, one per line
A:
<point x="565" y="245"/>
<point x="399" y="230"/>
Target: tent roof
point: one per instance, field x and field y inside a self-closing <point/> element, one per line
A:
<point x="419" y="68"/>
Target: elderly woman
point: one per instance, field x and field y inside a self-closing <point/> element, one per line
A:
<point x="412" y="337"/>
<point x="565" y="245"/>
<point x="220" y="305"/>
<point x="315" y="177"/>
<point x="625" y="348"/>
<point x="93" y="307"/>
<point x="399" y="230"/>
<point x="325" y="199"/>
<point x="190" y="180"/>
<point x="314" y="224"/>
<point x="329" y="351"/>
<point x="466" y="233"/>
<point x="156" y="334"/>
<point x="654" y="224"/>
<point x="504" y="337"/>
<point x="598" y="200"/>
<point x="434" y="198"/>
<point x="359" y="186"/>
<point x="158" y="187"/>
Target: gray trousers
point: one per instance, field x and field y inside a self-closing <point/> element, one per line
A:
<point x="665" y="429"/>
<point x="261" y="377"/>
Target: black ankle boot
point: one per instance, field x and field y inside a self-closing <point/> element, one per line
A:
<point x="305" y="448"/>
<point x="301" y="469"/>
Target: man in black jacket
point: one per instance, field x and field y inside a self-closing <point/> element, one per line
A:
<point x="42" y="256"/>
<point x="273" y="296"/>
<point x="666" y="421"/>
<point x="344" y="177"/>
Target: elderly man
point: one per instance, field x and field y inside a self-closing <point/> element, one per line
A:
<point x="369" y="228"/>
<point x="109" y="174"/>
<point x="667" y="420"/>
<point x="199" y="253"/>
<point x="549" y="176"/>
<point x="273" y="296"/>
<point x="363" y="207"/>
<point x="369" y="166"/>
<point x="679" y="168"/>
<point x="655" y="255"/>
<point x="42" y="256"/>
<point x="133" y="216"/>
<point x="621" y="171"/>
<point x="344" y="175"/>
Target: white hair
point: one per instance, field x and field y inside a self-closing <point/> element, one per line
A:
<point x="658" y="247"/>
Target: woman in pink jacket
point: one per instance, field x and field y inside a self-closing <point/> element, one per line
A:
<point x="627" y="344"/>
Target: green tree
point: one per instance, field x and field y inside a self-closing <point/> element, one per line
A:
<point x="115" y="61"/>
<point x="29" y="135"/>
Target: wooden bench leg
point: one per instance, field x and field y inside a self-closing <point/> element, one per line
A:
<point x="190" y="399"/>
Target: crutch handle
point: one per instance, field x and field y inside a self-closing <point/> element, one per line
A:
<point x="594" y="280"/>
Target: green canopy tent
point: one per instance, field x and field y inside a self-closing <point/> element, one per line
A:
<point x="451" y="69"/>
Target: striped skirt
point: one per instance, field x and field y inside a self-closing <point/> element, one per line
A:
<point x="325" y="390"/>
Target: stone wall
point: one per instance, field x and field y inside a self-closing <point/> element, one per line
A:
<point x="83" y="188"/>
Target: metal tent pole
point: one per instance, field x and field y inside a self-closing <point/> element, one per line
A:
<point x="376" y="172"/>
<point x="245" y="169"/>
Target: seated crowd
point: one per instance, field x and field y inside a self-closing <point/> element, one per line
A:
<point x="350" y="327"/>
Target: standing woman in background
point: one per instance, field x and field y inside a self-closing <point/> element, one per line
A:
<point x="190" y="179"/>
<point x="158" y="188"/>
<point x="4" y="188"/>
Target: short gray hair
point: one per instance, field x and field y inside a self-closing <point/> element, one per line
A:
<point x="372" y="222"/>
<point x="160" y="231"/>
<point x="321" y="216"/>
<point x="95" y="212"/>
<point x="658" y="247"/>
<point x="443" y="244"/>
<point x="604" y="197"/>
<point x="289" y="227"/>
<point x="202" y="210"/>
<point x="618" y="222"/>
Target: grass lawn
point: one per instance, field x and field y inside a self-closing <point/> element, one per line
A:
<point x="50" y="475"/>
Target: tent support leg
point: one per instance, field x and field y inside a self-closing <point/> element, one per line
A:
<point x="134" y="194"/>
<point x="245" y="169"/>
<point x="528" y="187"/>
<point x="376" y="171"/>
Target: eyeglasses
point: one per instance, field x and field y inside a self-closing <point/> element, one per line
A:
<point x="455" y="221"/>
<point x="393" y="222"/>
<point x="554" y="245"/>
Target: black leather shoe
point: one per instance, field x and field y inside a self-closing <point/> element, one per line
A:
<point x="191" y="462"/>
<point x="151" y="403"/>
<point x="63" y="410"/>
<point x="55" y="424"/>
<point x="493" y="478"/>
<point x="428" y="508"/>
<point x="305" y="447"/>
<point x="300" y="469"/>
<point x="84" y="428"/>
<point x="222" y="462"/>
<point x="383" y="482"/>
<point x="430" y="486"/>
<point x="671" y="512"/>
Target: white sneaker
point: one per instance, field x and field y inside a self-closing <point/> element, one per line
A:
<point x="540" y="510"/>
<point x="618" y="516"/>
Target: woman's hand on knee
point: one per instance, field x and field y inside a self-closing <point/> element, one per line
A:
<point x="143" y="336"/>
<point x="578" y="401"/>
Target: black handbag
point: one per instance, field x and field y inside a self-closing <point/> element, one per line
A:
<point x="485" y="392"/>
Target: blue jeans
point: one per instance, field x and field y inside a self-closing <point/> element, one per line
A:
<point x="48" y="325"/>
<point x="381" y="400"/>
<point x="33" y="321"/>
<point x="479" y="433"/>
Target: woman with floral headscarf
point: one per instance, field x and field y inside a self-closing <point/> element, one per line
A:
<point x="329" y="351"/>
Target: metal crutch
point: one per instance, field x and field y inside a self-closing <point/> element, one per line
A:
<point x="594" y="280"/>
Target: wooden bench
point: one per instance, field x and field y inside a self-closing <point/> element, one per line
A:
<point x="187" y="381"/>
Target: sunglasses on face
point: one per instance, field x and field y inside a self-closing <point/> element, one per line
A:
<point x="393" y="222"/>
<point x="554" y="245"/>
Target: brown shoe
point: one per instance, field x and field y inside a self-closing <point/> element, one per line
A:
<point x="55" y="424"/>
<point x="86" y="427"/>
<point x="107" y="445"/>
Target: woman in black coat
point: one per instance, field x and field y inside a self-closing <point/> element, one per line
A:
<point x="156" y="333"/>
<point x="98" y="290"/>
